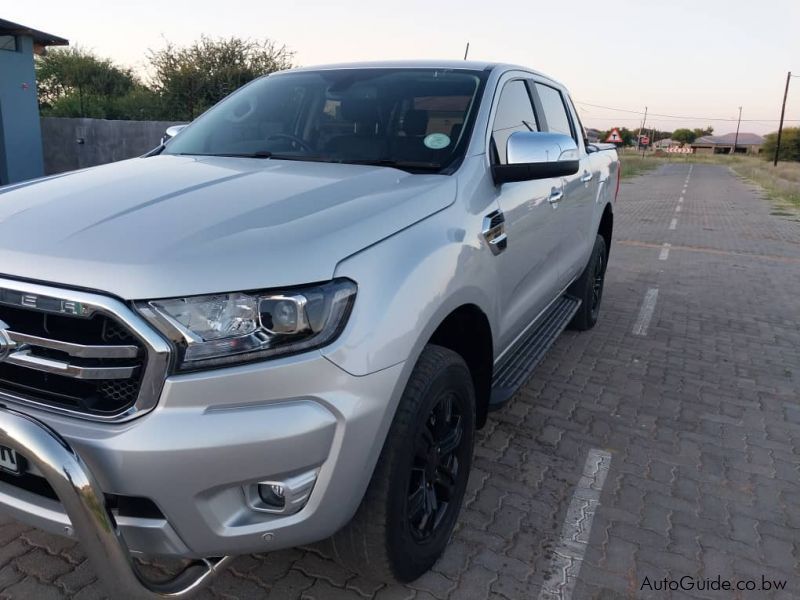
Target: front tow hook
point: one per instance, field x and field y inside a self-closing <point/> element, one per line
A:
<point x="94" y="525"/>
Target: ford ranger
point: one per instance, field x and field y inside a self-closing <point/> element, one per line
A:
<point x="286" y="322"/>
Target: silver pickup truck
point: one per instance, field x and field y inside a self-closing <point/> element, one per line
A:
<point x="287" y="322"/>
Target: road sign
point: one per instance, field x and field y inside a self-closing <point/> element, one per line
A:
<point x="644" y="140"/>
<point x="614" y="137"/>
<point x="676" y="150"/>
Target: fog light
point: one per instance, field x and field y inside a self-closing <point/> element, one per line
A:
<point x="284" y="497"/>
<point x="272" y="495"/>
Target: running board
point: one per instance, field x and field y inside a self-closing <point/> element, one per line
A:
<point x="517" y="365"/>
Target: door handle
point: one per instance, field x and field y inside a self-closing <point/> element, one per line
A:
<point x="494" y="231"/>
<point x="587" y="176"/>
<point x="556" y="194"/>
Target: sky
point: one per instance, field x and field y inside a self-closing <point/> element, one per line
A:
<point x="686" y="58"/>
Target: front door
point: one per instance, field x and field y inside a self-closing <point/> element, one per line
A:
<point x="529" y="267"/>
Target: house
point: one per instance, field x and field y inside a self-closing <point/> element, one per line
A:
<point x="666" y="143"/>
<point x="746" y="143"/>
<point x="20" y="131"/>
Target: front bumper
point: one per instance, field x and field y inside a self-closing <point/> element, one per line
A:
<point x="84" y="502"/>
<point x="211" y="435"/>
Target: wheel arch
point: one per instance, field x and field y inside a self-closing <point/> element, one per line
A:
<point x="606" y="227"/>
<point x="466" y="330"/>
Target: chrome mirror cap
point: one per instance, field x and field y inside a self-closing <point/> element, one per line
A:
<point x="526" y="147"/>
<point x="534" y="155"/>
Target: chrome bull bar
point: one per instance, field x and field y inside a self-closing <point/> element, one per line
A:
<point x="91" y="521"/>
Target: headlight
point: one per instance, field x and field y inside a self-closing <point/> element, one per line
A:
<point x="224" y="329"/>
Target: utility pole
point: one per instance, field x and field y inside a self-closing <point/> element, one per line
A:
<point x="736" y="139"/>
<point x="639" y="135"/>
<point x="466" y="52"/>
<point x="783" y="112"/>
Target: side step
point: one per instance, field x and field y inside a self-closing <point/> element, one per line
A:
<point x="519" y="362"/>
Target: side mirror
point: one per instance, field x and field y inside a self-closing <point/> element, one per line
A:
<point x="171" y="132"/>
<point x="534" y="155"/>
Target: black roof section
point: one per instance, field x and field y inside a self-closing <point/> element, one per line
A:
<point x="40" y="37"/>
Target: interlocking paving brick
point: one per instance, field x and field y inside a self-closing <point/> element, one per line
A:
<point x="322" y="590"/>
<point x="319" y="568"/>
<point x="9" y="576"/>
<point x="395" y="592"/>
<point x="290" y="586"/>
<point x="434" y="583"/>
<point x="30" y="587"/>
<point x="701" y="415"/>
<point x="11" y="550"/>
<point x="475" y="584"/>
<point x="77" y="578"/>
<point x="498" y="563"/>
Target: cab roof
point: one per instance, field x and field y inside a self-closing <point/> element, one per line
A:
<point x="470" y="65"/>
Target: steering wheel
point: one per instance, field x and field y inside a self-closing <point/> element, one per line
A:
<point x="292" y="138"/>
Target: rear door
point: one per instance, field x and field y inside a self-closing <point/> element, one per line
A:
<point x="529" y="264"/>
<point x="577" y="205"/>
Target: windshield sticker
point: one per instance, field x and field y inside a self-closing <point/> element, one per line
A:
<point x="436" y="141"/>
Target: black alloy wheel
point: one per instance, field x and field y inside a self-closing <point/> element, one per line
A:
<point x="436" y="467"/>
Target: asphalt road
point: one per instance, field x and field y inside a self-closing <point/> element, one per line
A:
<point x="663" y="444"/>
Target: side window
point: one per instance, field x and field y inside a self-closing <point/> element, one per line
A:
<point x="577" y="119"/>
<point x="555" y="113"/>
<point x="514" y="113"/>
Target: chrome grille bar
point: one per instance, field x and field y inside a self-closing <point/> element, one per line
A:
<point x="24" y="358"/>
<point x="76" y="350"/>
<point x="144" y="375"/>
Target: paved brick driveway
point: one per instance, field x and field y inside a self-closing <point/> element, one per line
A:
<point x="690" y="384"/>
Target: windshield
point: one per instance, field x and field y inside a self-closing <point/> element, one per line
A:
<point x="415" y="119"/>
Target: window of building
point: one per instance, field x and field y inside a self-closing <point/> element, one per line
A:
<point x="8" y="42"/>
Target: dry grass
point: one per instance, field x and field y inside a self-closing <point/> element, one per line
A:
<point x="634" y="164"/>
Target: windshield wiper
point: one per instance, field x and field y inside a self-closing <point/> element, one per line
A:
<point x="406" y="165"/>
<point x="398" y="164"/>
<point x="259" y="154"/>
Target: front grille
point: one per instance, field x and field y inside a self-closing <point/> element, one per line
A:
<point x="90" y="365"/>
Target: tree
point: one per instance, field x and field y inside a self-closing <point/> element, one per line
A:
<point x="189" y="80"/>
<point x="74" y="82"/>
<point x="790" y="145"/>
<point x="662" y="135"/>
<point x="684" y="136"/>
<point x="701" y="132"/>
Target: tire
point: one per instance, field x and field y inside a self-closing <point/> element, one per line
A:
<point x="589" y="287"/>
<point x="387" y="540"/>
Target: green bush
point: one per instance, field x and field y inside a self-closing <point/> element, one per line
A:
<point x="184" y="81"/>
<point x="790" y="145"/>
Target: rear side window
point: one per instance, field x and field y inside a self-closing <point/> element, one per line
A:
<point x="514" y="113"/>
<point x="555" y="112"/>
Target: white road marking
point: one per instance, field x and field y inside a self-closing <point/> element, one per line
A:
<point x="664" y="255"/>
<point x="678" y="208"/>
<point x="673" y="224"/>
<point x="646" y="312"/>
<point x="568" y="555"/>
<point x="680" y="200"/>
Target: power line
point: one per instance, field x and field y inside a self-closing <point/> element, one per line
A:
<point x="684" y="117"/>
